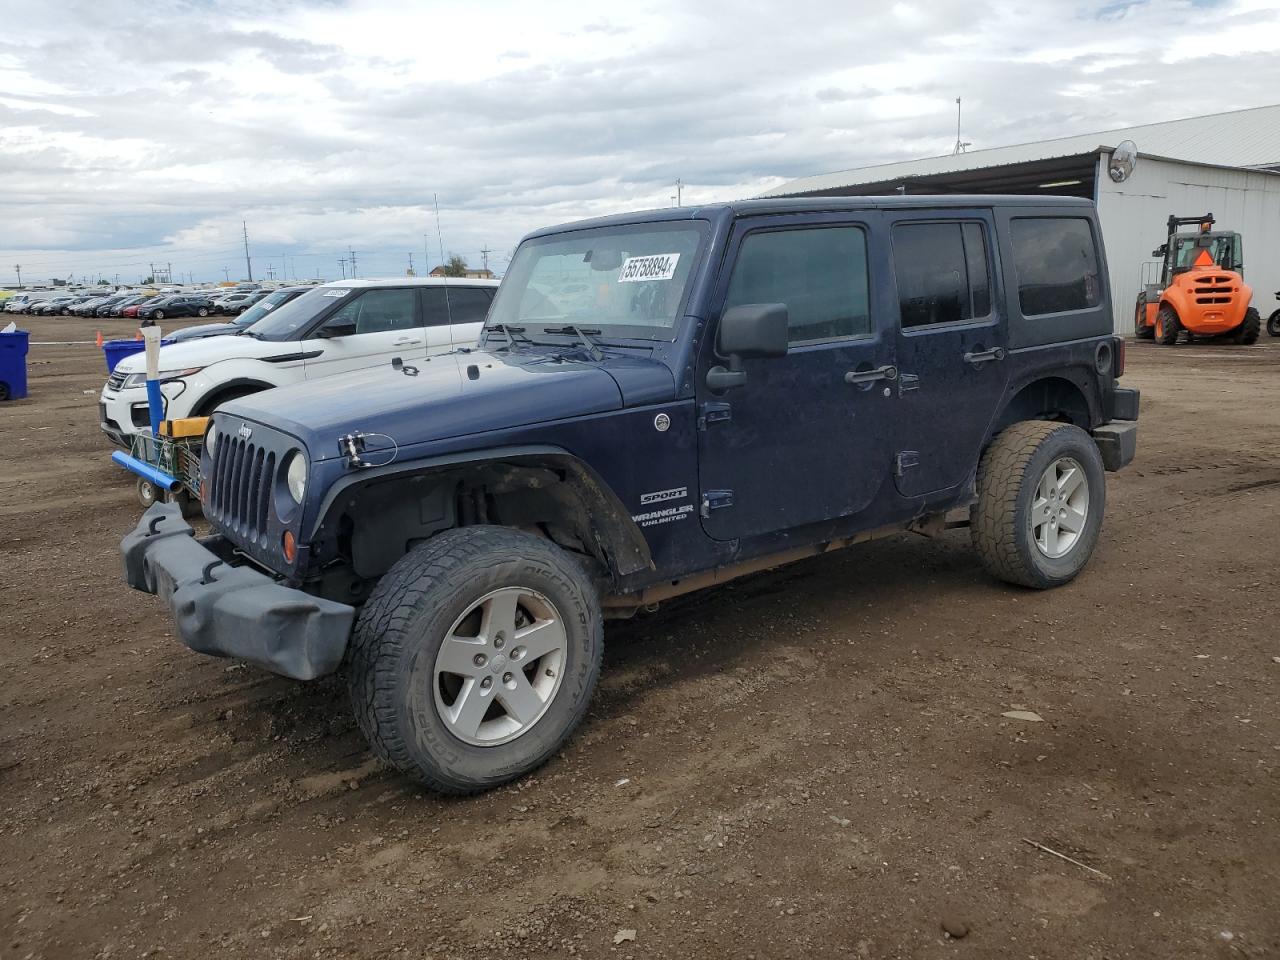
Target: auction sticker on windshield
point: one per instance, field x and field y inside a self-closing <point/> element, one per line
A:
<point x="656" y="266"/>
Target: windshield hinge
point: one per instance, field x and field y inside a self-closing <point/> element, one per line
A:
<point x="906" y="460"/>
<point x="715" y="500"/>
<point x="714" y="412"/>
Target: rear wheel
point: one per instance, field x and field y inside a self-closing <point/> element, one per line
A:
<point x="1247" y="332"/>
<point x="475" y="657"/>
<point x="1141" y="329"/>
<point x="1041" y="497"/>
<point x="1273" y="324"/>
<point x="1167" y="326"/>
<point x="148" y="493"/>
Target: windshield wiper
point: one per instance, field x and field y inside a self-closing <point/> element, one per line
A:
<point x="571" y="330"/>
<point x="507" y="330"/>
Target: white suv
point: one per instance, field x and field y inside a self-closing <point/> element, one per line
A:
<point x="332" y="328"/>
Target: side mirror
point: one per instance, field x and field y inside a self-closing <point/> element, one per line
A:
<point x="749" y="331"/>
<point x="331" y="330"/>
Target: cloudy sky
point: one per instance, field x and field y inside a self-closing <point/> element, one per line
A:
<point x="139" y="132"/>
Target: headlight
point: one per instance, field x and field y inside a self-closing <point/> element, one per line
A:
<point x="296" y="475"/>
<point x="138" y="379"/>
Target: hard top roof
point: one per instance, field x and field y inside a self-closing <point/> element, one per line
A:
<point x="751" y="208"/>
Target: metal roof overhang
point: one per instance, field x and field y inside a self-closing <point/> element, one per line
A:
<point x="1029" y="177"/>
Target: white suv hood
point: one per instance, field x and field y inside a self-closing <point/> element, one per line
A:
<point x="201" y="353"/>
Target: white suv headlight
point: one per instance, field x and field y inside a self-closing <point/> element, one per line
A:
<point x="140" y="379"/>
<point x="296" y="475"/>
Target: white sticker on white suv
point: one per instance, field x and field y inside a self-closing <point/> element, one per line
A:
<point x="657" y="266"/>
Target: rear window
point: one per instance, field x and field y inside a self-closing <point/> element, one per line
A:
<point x="1057" y="265"/>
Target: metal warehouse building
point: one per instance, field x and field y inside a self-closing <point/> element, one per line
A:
<point x="1227" y="164"/>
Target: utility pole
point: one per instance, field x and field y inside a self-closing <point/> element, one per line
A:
<point x="226" y="273"/>
<point x="426" y="251"/>
<point x="168" y="273"/>
<point x="342" y="263"/>
<point x="18" y="267"/>
<point x="679" y="192"/>
<point x="352" y="256"/>
<point x="484" y="255"/>
<point x="248" y="265"/>
<point x="411" y="273"/>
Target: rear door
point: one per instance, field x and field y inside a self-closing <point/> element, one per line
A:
<point x="951" y="346"/>
<point x="801" y="441"/>
<point x="468" y="306"/>
<point x="368" y="330"/>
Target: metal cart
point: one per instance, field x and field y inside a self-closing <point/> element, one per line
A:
<point x="167" y="465"/>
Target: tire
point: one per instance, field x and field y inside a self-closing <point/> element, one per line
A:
<point x="1167" y="326"/>
<point x="158" y="315"/>
<point x="1140" y="328"/>
<point x="394" y="659"/>
<point x="1010" y="475"/>
<point x="206" y="407"/>
<point x="1247" y="332"/>
<point x="202" y="312"/>
<point x="1273" y="324"/>
<point x="148" y="493"/>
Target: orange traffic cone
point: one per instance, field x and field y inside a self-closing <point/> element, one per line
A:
<point x="99" y="338"/>
<point x="139" y="336"/>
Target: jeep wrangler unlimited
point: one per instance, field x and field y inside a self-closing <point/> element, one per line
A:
<point x="658" y="402"/>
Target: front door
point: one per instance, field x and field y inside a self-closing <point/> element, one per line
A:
<point x="803" y="440"/>
<point x="370" y="328"/>
<point x="951" y="347"/>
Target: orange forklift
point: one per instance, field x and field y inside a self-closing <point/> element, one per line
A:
<point x="1201" y="292"/>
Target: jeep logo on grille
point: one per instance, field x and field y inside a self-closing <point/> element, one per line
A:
<point x="245" y="432"/>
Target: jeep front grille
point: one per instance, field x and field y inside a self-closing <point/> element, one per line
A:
<point x="239" y="494"/>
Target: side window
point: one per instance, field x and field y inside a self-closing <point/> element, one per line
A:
<point x="820" y="274"/>
<point x="1057" y="264"/>
<point x="942" y="272"/>
<point x="468" y="304"/>
<point x="435" y="308"/>
<point x="377" y="311"/>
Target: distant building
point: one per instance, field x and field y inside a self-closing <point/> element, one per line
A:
<point x="1227" y="164"/>
<point x="481" y="274"/>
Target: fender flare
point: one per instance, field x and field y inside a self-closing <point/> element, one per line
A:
<point x="626" y="549"/>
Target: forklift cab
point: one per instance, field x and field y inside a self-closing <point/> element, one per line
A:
<point x="1205" y="247"/>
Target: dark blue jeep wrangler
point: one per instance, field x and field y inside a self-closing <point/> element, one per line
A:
<point x="658" y="403"/>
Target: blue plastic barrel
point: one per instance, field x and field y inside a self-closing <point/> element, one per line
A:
<point x="13" y="365"/>
<point x="117" y="350"/>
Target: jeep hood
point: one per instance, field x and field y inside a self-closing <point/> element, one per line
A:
<point x="452" y="395"/>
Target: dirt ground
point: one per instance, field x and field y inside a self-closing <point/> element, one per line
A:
<point x="809" y="763"/>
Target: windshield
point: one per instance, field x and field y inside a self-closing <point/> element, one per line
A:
<point x="286" y="322"/>
<point x="263" y="307"/>
<point x="625" y="281"/>
<point x="1223" y="248"/>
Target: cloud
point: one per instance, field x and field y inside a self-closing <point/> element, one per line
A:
<point x="331" y="125"/>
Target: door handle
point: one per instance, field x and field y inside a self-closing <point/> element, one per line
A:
<point x="888" y="372"/>
<point x="405" y="341"/>
<point x="984" y="356"/>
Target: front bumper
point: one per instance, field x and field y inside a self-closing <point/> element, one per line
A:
<point x="233" y="611"/>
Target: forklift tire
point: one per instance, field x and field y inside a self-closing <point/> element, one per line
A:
<point x="1140" y="328"/>
<point x="1273" y="324"/>
<point x="1247" y="332"/>
<point x="1167" y="326"/>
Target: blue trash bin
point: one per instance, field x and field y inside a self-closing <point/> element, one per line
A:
<point x="117" y="350"/>
<point x="13" y="365"/>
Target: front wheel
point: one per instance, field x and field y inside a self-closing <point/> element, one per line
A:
<point x="158" y="315"/>
<point x="148" y="493"/>
<point x="202" y="312"/>
<point x="475" y="657"/>
<point x="1041" y="496"/>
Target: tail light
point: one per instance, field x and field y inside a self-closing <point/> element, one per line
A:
<point x="1119" y="357"/>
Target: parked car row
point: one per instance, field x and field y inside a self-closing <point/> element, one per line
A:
<point x="130" y="303"/>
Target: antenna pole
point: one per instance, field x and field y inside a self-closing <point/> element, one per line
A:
<point x="439" y="233"/>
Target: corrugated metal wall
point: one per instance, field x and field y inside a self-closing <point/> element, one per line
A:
<point x="1133" y="216"/>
